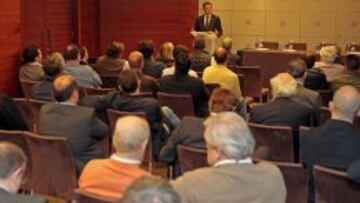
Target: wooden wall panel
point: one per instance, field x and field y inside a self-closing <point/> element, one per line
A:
<point x="159" y="20"/>
<point x="10" y="43"/>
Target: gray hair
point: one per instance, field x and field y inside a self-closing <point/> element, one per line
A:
<point x="227" y="43"/>
<point x="230" y="134"/>
<point x="12" y="158"/>
<point x="130" y="133"/>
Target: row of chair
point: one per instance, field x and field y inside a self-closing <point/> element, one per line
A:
<point x="331" y="186"/>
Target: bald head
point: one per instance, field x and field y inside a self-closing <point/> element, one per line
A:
<point x="227" y="43"/>
<point x="65" y="88"/>
<point x="345" y="103"/>
<point x="220" y="55"/>
<point x="136" y="60"/>
<point x="131" y="134"/>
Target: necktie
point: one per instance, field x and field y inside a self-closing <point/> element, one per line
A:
<point x="207" y="21"/>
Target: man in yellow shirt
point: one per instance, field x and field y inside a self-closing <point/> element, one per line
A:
<point x="220" y="74"/>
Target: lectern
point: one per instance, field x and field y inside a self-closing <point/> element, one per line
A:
<point x="211" y="40"/>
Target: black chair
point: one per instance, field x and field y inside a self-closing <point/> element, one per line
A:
<point x="191" y="158"/>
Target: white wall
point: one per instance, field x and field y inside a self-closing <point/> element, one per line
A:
<point x="311" y="21"/>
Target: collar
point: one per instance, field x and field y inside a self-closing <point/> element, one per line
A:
<point x="72" y="63"/>
<point x="67" y="103"/>
<point x="125" y="160"/>
<point x="4" y="189"/>
<point x="233" y="161"/>
<point x="35" y="63"/>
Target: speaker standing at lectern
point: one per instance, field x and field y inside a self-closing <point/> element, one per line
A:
<point x="208" y="22"/>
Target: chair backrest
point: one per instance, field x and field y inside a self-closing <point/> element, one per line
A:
<point x="326" y="96"/>
<point x="252" y="83"/>
<point x="278" y="139"/>
<point x="17" y="138"/>
<point x="113" y="116"/>
<point x="299" y="46"/>
<point x="86" y="197"/>
<point x="53" y="166"/>
<point x="270" y="45"/>
<point x="27" y="112"/>
<point x="36" y="107"/>
<point x="333" y="186"/>
<point x="98" y="91"/>
<point x="109" y="81"/>
<point x="181" y="104"/>
<point x="26" y="87"/>
<point x="302" y="131"/>
<point x="295" y="178"/>
<point x="191" y="158"/>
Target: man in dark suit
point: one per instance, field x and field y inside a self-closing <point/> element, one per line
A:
<point x="111" y="63"/>
<point x="233" y="59"/>
<point x="128" y="99"/>
<point x="182" y="83"/>
<point x="151" y="67"/>
<point x="12" y="169"/>
<point x="336" y="144"/>
<point x="76" y="123"/>
<point x="208" y="22"/>
<point x="200" y="59"/>
<point x="11" y="117"/>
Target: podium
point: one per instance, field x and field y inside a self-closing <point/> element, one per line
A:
<point x="211" y="40"/>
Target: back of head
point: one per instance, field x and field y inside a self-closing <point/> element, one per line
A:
<point x="167" y="51"/>
<point x="131" y="132"/>
<point x="182" y="63"/>
<point x="283" y="84"/>
<point x="150" y="190"/>
<point x="115" y="50"/>
<point x="136" y="60"/>
<point x="72" y="52"/>
<point x="180" y="49"/>
<point x="64" y="87"/>
<point x="53" y="64"/>
<point x="297" y="68"/>
<point x="230" y="134"/>
<point x="199" y="43"/>
<point x="128" y="81"/>
<point x="30" y="53"/>
<point x="346" y="102"/>
<point x="352" y="62"/>
<point x="328" y="54"/>
<point x="222" y="100"/>
<point x="227" y="43"/>
<point x="220" y="56"/>
<point x="309" y="60"/>
<point x="12" y="159"/>
<point x="146" y="47"/>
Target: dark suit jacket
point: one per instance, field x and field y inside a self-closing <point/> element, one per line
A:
<point x="153" y="68"/>
<point x="353" y="171"/>
<point x="149" y="84"/>
<point x="335" y="144"/>
<point x="10" y="116"/>
<point x="215" y="25"/>
<point x="44" y="91"/>
<point x="200" y="60"/>
<point x="185" y="84"/>
<point x="79" y="125"/>
<point x="316" y="80"/>
<point x="6" y="197"/>
<point x="234" y="60"/>
<point x="310" y="98"/>
<point x="109" y="66"/>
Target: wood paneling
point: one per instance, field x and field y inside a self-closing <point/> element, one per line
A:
<point x="159" y="20"/>
<point x="10" y="43"/>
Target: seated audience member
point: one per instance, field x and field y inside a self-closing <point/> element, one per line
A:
<point x="353" y="171"/>
<point x="315" y="78"/>
<point x="12" y="170"/>
<point x="76" y="123"/>
<point x="335" y="144"/>
<point x="200" y="59"/>
<point x="284" y="109"/>
<point x="233" y="59"/>
<point x="351" y="76"/>
<point x="182" y="83"/>
<point x="232" y="175"/>
<point x="151" y="67"/>
<point x="11" y="117"/>
<point x="111" y="63"/>
<point x="31" y="68"/>
<point x="166" y="54"/>
<point x="297" y="69"/>
<point x="171" y="70"/>
<point x="84" y="74"/>
<point x="327" y="63"/>
<point x="53" y="66"/>
<point x="148" y="83"/>
<point x="128" y="99"/>
<point x="220" y="74"/>
<point x="110" y="177"/>
<point x="190" y="131"/>
<point x="150" y="190"/>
